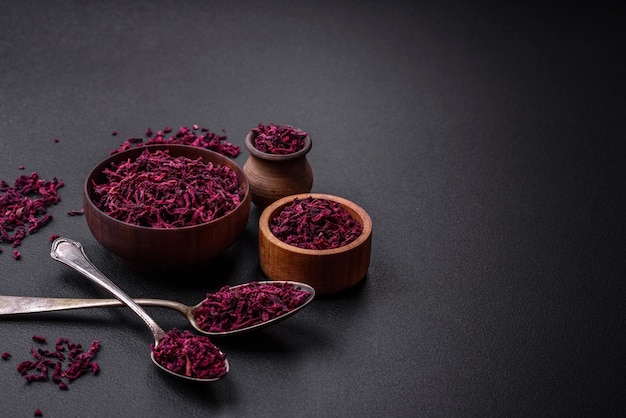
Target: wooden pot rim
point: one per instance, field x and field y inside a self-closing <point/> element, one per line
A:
<point x="276" y="157"/>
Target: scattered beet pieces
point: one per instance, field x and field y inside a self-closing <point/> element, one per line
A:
<point x="67" y="362"/>
<point x="278" y="139"/>
<point x="184" y="136"/>
<point x="235" y="308"/>
<point x="316" y="224"/>
<point x="190" y="355"/>
<point x="23" y="207"/>
<point x="6" y="355"/>
<point x="160" y="191"/>
<point x="76" y="212"/>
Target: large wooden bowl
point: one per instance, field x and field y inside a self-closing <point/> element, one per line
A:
<point x="327" y="271"/>
<point x="158" y="249"/>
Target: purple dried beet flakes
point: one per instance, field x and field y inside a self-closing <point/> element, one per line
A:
<point x="184" y="136"/>
<point x="190" y="355"/>
<point x="76" y="212"/>
<point x="235" y="308"/>
<point x="316" y="224"/>
<point x="23" y="207"/>
<point x="278" y="139"/>
<point x="65" y="367"/>
<point x="160" y="191"/>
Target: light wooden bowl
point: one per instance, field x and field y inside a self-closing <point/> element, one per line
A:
<point x="158" y="249"/>
<point x="327" y="271"/>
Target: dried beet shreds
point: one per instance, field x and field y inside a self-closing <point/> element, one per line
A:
<point x="234" y="308"/>
<point x="23" y="207"/>
<point x="161" y="191"/>
<point x="316" y="224"/>
<point x="68" y="362"/>
<point x="39" y="339"/>
<point x="190" y="355"/>
<point x="184" y="136"/>
<point x="278" y="139"/>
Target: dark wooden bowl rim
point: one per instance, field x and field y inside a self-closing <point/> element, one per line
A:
<point x="133" y="153"/>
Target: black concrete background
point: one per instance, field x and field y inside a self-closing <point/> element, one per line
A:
<point x="484" y="140"/>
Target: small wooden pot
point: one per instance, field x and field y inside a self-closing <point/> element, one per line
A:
<point x="327" y="271"/>
<point x="273" y="176"/>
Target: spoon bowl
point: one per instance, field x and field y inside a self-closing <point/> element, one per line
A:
<point x="11" y="305"/>
<point x="72" y="254"/>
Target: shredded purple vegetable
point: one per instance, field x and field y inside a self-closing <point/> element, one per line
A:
<point x="23" y="207"/>
<point x="234" y="308"/>
<point x="316" y="224"/>
<point x="6" y="355"/>
<point x="190" y="355"/>
<point x="68" y="362"/>
<point x="184" y="136"/>
<point x="278" y="139"/>
<point x="160" y="191"/>
<point x="76" y="212"/>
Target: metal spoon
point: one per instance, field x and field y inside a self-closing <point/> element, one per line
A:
<point x="10" y="305"/>
<point x="72" y="254"/>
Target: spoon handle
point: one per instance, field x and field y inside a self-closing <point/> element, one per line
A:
<point x="10" y="305"/>
<point x="72" y="254"/>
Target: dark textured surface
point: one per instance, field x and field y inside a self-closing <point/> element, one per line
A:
<point x="484" y="141"/>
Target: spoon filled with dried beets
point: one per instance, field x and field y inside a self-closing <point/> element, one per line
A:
<point x="230" y="311"/>
<point x="180" y="353"/>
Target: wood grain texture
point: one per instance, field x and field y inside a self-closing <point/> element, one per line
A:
<point x="328" y="271"/>
<point x="158" y="249"/>
<point x="273" y="177"/>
